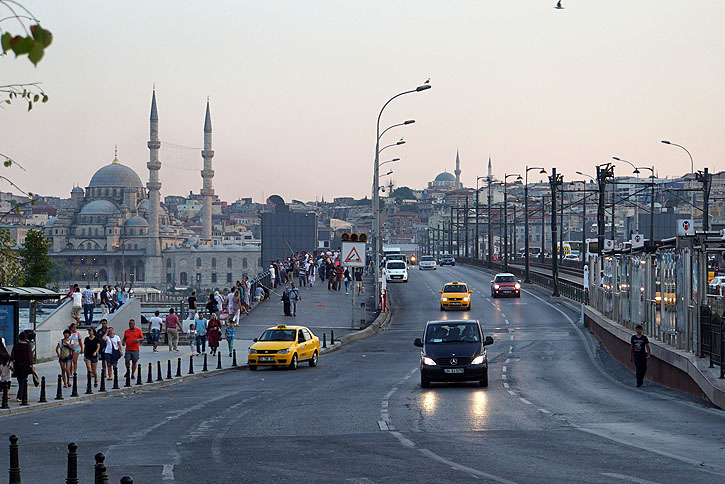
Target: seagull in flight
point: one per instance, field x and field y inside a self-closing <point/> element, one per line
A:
<point x="558" y="6"/>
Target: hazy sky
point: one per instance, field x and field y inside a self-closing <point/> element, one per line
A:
<point x="296" y="87"/>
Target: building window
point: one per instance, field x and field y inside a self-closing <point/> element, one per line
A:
<point x="229" y="261"/>
<point x="213" y="262"/>
<point x="168" y="263"/>
<point x="213" y="277"/>
<point x="182" y="279"/>
<point x="198" y="262"/>
<point x="229" y="277"/>
<point x="244" y="263"/>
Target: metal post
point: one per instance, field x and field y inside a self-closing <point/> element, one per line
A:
<point x="102" y="388"/>
<point x="601" y="181"/>
<point x="159" y="377"/>
<point x="526" y="228"/>
<point x="128" y="378"/>
<point x="150" y="375"/>
<point x="652" y="209"/>
<point x="543" y="226"/>
<point x="100" y="474"/>
<point x="72" y="475"/>
<point x="476" y="250"/>
<point x="705" y="203"/>
<point x="583" y="251"/>
<point x="42" y="398"/>
<point x="324" y="340"/>
<point x="115" y="378"/>
<point x="74" y="393"/>
<point x="234" y="358"/>
<point x="204" y="367"/>
<point x="505" y="227"/>
<point x="168" y="369"/>
<point x="139" y="378"/>
<point x="614" y="197"/>
<point x="554" y="253"/>
<point x="191" y="364"/>
<point x="89" y="388"/>
<point x="561" y="224"/>
<point x="14" y="469"/>
<point x="450" y="233"/>
<point x="219" y="360"/>
<point x="5" y="397"/>
<point x="490" y="241"/>
<point x="513" y="234"/>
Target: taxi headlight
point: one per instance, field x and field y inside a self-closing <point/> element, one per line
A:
<point x="495" y="286"/>
<point x="444" y="299"/>
<point x="517" y="286"/>
<point x="477" y="360"/>
<point x="466" y="298"/>
<point x="284" y="351"/>
<point x="252" y="351"/>
<point x="428" y="361"/>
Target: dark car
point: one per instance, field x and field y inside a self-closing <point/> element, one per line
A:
<point x="505" y="285"/>
<point x="453" y="351"/>
<point x="447" y="260"/>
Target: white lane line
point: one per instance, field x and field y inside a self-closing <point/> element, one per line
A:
<point x="543" y="410"/>
<point x="462" y="468"/>
<point x="511" y="349"/>
<point x="504" y="368"/>
<point x="504" y="377"/>
<point x="507" y="360"/>
<point x="624" y="477"/>
<point x="512" y="336"/>
<point x="167" y="473"/>
<point x="511" y="392"/>
<point x="404" y="440"/>
<point x="382" y="425"/>
<point x="505" y="385"/>
<point x="525" y="401"/>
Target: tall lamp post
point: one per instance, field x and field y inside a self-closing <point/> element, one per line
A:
<point x="526" y="218"/>
<point x="476" y="251"/>
<point x="376" y="194"/>
<point x="505" y="219"/>
<point x="652" y="195"/>
<point x="692" y="167"/>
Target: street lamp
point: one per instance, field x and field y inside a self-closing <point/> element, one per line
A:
<point x="477" y="252"/>
<point x="652" y="194"/>
<point x="376" y="192"/>
<point x="692" y="168"/>
<point x="505" y="219"/>
<point x="390" y="161"/>
<point x="526" y="217"/>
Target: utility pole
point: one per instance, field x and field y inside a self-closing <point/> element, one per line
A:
<point x="604" y="172"/>
<point x="490" y="241"/>
<point x="652" y="209"/>
<point x="476" y="252"/>
<point x="555" y="180"/>
<point x="561" y="222"/>
<point x="704" y="177"/>
<point x="543" y="228"/>
<point x="465" y="229"/>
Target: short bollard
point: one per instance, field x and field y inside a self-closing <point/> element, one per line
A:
<point x="332" y="336"/>
<point x="178" y="366"/>
<point x="126" y="480"/>
<point x="150" y="378"/>
<point x="100" y="474"/>
<point x="324" y="340"/>
<point x="219" y="361"/>
<point x="89" y="384"/>
<point x="103" y="380"/>
<point x="204" y="368"/>
<point x="127" y="383"/>
<point x="234" y="358"/>
<point x="191" y="364"/>
<point x="72" y="475"/>
<point x="158" y="371"/>
<point x="115" y="378"/>
<point x="42" y="398"/>
<point x="59" y="390"/>
<point x="14" y="461"/>
<point x="5" y="397"/>
<point x="168" y="369"/>
<point x="139" y="378"/>
<point x="74" y="393"/>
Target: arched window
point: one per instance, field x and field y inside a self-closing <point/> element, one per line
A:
<point x="198" y="262"/>
<point x="168" y="263"/>
<point x="182" y="278"/>
<point x="213" y="262"/>
<point x="244" y="263"/>
<point x="98" y="232"/>
<point x="83" y="231"/>
<point x="229" y="261"/>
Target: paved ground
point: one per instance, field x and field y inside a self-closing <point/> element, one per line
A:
<point x="550" y="413"/>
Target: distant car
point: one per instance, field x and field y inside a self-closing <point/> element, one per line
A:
<point x="447" y="260"/>
<point x="427" y="262"/>
<point x="284" y="346"/>
<point x="717" y="285"/>
<point x="396" y="270"/>
<point x="505" y="284"/>
<point x="453" y="350"/>
<point x="455" y="295"/>
<point x="572" y="258"/>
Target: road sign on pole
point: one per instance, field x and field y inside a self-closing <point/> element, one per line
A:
<point x="353" y="254"/>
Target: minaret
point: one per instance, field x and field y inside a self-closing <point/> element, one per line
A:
<point x="153" y="247"/>
<point x="489" y="167"/>
<point x="207" y="174"/>
<point x="458" y="172"/>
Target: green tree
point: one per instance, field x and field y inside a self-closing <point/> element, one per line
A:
<point x="36" y="262"/>
<point x="11" y="268"/>
<point x="403" y="193"/>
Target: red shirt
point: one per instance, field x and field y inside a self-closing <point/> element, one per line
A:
<point x="172" y="321"/>
<point x="132" y="337"/>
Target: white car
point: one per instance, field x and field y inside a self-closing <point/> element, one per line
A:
<point x="427" y="262"/>
<point x="396" y="270"/>
<point x="717" y="285"/>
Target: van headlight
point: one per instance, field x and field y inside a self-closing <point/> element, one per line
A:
<point x="428" y="361"/>
<point x="477" y="360"/>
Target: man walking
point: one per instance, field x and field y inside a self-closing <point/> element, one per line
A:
<point x="77" y="305"/>
<point x="132" y="338"/>
<point x="172" y="330"/>
<point x="155" y="325"/>
<point x="22" y="358"/>
<point x="101" y="331"/>
<point x="192" y="306"/>
<point x="639" y="354"/>
<point x="89" y="302"/>
<point x="294" y="296"/>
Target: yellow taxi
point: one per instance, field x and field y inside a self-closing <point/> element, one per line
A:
<point x="455" y="295"/>
<point x="284" y="346"/>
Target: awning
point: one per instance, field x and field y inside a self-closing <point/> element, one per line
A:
<point x="27" y="293"/>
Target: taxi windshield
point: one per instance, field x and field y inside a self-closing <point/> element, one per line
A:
<point x="278" y="335"/>
<point x="455" y="288"/>
<point x="458" y="332"/>
<point x="396" y="265"/>
<point x="505" y="279"/>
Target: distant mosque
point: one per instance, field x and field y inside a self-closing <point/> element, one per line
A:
<point x="447" y="181"/>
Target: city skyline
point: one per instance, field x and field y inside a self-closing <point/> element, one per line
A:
<point x="568" y="88"/>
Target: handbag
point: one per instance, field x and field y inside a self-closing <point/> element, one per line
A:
<point x="36" y="380"/>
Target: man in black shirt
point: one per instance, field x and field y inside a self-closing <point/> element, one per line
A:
<point x="192" y="306"/>
<point x="639" y="353"/>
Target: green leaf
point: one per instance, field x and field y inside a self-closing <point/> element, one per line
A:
<point x="7" y="101"/>
<point x="45" y="37"/>
<point x="8" y="163"/>
<point x="36" y="53"/>
<point x="21" y="45"/>
<point x="5" y="41"/>
<point x="45" y="98"/>
<point x="36" y="97"/>
<point x="30" y="105"/>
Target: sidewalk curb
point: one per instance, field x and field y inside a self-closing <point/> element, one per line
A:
<point x="379" y="325"/>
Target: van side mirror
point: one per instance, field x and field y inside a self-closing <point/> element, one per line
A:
<point x="488" y="341"/>
<point x="418" y="343"/>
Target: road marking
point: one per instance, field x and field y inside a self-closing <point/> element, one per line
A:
<point x="504" y="368"/>
<point x="511" y="349"/>
<point x="507" y="360"/>
<point x="525" y="401"/>
<point x="504" y="377"/>
<point x="543" y="410"/>
<point x="382" y="425"/>
<point x="511" y="392"/>
<point x="624" y="477"/>
<point x="167" y="473"/>
<point x="505" y="385"/>
<point x="462" y="468"/>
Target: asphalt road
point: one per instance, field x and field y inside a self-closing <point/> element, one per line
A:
<point x="557" y="410"/>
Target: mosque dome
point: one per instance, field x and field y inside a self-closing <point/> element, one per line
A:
<point x="136" y="221"/>
<point x="445" y="177"/>
<point x="115" y="175"/>
<point x="99" y="207"/>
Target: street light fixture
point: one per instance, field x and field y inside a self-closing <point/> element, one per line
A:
<point x="376" y="183"/>
<point x="692" y="167"/>
<point x="505" y="218"/>
<point x="477" y="251"/>
<point x="390" y="161"/>
<point x="526" y="218"/>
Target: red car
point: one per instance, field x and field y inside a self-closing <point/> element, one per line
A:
<point x="505" y="284"/>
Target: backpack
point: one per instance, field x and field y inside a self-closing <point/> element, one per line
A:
<point x="65" y="352"/>
<point x="285" y="296"/>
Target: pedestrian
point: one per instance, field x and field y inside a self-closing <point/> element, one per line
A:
<point x="91" y="347"/>
<point x="155" y="326"/>
<point x="247" y="296"/>
<point x="286" y="301"/>
<point x="192" y="306"/>
<point x="211" y="305"/>
<point x="348" y="279"/>
<point x="6" y="372"/>
<point x="77" y="305"/>
<point x="89" y="303"/>
<point x="220" y="305"/>
<point x="101" y="331"/>
<point x="200" y="323"/>
<point x="214" y="333"/>
<point x="301" y="275"/>
<point x="229" y="333"/>
<point x="272" y="280"/>
<point x="77" y="344"/>
<point x="235" y="307"/>
<point x="191" y="338"/>
<point x="132" y="339"/>
<point x="23" y="365"/>
<point x="639" y="354"/>
<point x="358" y="281"/>
<point x="294" y="296"/>
<point x="311" y="275"/>
<point x="112" y="352"/>
<point x="173" y="325"/>
<point x="331" y="277"/>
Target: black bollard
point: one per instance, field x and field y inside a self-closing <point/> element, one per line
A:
<point x="234" y="358"/>
<point x="74" y="393"/>
<point x="204" y="368"/>
<point x="150" y="378"/>
<point x="139" y="378"/>
<point x="115" y="378"/>
<point x="127" y="383"/>
<point x="72" y="476"/>
<point x="100" y="474"/>
<point x="126" y="480"/>
<point x="89" y="383"/>
<point x="324" y="340"/>
<point x="178" y="366"/>
<point x="158" y="371"/>
<point x="191" y="364"/>
<point x="43" y="398"/>
<point x="219" y="361"/>
<point x="168" y="369"/>
<point x="103" y="380"/>
<point x="59" y="391"/>
<point x="332" y="336"/>
<point x="5" y="397"/>
<point x="14" y="461"/>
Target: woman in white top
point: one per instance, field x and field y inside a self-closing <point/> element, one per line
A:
<point x="113" y="350"/>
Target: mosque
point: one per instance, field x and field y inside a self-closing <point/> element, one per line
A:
<point x="116" y="230"/>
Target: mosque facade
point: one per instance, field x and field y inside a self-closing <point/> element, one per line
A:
<point x="116" y="230"/>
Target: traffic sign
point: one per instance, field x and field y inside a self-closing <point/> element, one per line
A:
<point x="353" y="254"/>
<point x="637" y="241"/>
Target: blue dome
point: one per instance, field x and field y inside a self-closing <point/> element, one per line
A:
<point x="445" y="177"/>
<point x="99" y="207"/>
<point x="115" y="175"/>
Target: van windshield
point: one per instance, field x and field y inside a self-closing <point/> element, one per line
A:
<point x="396" y="265"/>
<point x="458" y="332"/>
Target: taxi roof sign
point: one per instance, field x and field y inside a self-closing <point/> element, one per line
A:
<point x="281" y="326"/>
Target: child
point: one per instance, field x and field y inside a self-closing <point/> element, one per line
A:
<point x="191" y="335"/>
<point x="5" y="372"/>
<point x="230" y="336"/>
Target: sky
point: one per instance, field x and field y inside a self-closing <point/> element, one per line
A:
<point x="296" y="87"/>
